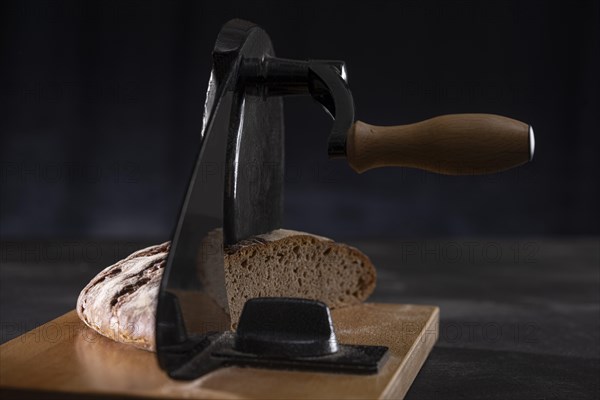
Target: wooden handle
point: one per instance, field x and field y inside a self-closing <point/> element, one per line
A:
<point x="458" y="144"/>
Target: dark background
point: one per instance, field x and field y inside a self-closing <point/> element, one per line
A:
<point x="102" y="109"/>
<point x="100" y="121"/>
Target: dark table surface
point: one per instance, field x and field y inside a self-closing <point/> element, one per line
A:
<point x="520" y="318"/>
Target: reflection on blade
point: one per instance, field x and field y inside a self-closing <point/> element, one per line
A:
<point x="185" y="313"/>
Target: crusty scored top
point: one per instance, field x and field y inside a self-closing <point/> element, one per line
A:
<point x="120" y="301"/>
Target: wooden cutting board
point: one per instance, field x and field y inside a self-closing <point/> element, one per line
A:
<point x="64" y="359"/>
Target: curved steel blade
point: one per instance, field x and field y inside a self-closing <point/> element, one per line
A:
<point x="235" y="191"/>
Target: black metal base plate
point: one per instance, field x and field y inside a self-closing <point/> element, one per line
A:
<point x="354" y="359"/>
<point x="348" y="359"/>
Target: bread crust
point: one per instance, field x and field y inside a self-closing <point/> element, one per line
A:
<point x="120" y="301"/>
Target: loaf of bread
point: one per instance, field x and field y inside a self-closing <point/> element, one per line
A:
<point x="120" y="301"/>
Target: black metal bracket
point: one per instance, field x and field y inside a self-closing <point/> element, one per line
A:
<point x="324" y="80"/>
<point x="279" y="333"/>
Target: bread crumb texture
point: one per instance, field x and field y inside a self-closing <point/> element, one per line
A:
<point x="294" y="264"/>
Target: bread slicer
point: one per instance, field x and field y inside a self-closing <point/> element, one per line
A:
<point x="237" y="186"/>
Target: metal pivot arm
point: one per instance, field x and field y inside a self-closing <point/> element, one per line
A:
<point x="459" y="144"/>
<point x="324" y="80"/>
